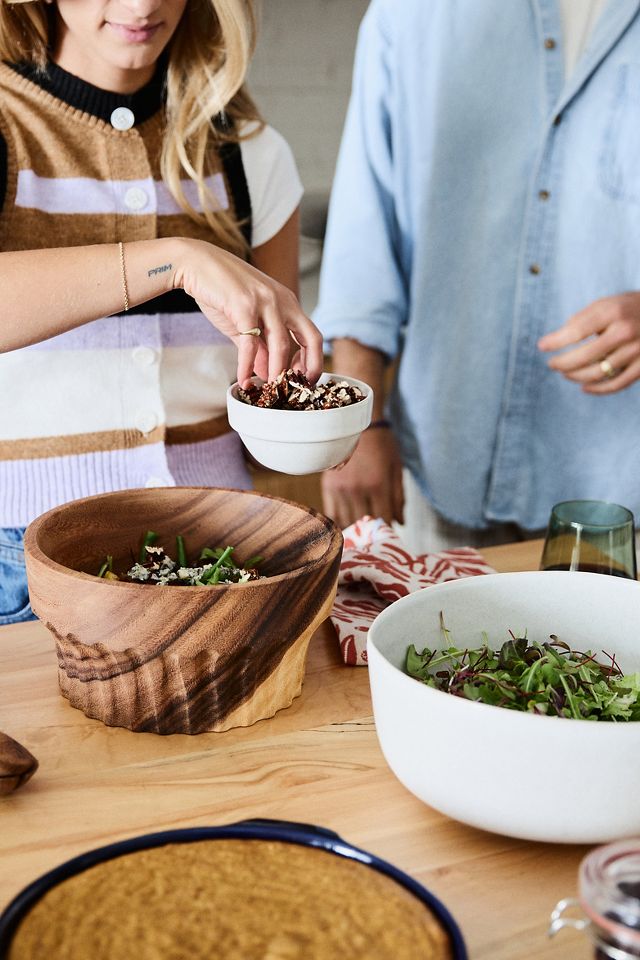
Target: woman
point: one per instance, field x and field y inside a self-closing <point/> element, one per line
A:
<point x="148" y="232"/>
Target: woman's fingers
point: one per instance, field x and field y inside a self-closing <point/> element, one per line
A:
<point x="282" y="320"/>
<point x="248" y="347"/>
<point x="298" y="361"/>
<point x="275" y="331"/>
<point x="237" y="298"/>
<point x="309" y="339"/>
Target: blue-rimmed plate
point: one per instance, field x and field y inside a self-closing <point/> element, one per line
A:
<point x="284" y="831"/>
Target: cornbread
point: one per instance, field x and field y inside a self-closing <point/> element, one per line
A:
<point x="222" y="899"/>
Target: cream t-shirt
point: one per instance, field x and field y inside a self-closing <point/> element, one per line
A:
<point x="274" y="185"/>
<point x="578" y="20"/>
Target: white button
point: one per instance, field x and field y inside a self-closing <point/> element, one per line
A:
<point x="145" y="422"/>
<point x="122" y="118"/>
<point x="156" y="482"/>
<point x="135" y="198"/>
<point x="145" y="356"/>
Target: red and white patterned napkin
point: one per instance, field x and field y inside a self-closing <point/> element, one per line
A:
<point x="376" y="569"/>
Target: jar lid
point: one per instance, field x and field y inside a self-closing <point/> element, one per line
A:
<point x="609" y="891"/>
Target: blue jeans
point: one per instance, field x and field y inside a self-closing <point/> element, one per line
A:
<point x="14" y="595"/>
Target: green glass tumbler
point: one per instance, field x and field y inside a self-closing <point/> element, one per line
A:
<point x="591" y="535"/>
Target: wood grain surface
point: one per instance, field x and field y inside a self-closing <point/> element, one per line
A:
<point x="181" y="659"/>
<point x="316" y="762"/>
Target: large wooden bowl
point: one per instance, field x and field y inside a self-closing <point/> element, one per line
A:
<point x="181" y="659"/>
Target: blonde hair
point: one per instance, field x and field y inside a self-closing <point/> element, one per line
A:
<point x="208" y="59"/>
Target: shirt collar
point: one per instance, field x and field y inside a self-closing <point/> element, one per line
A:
<point x="77" y="93"/>
<point x="609" y="28"/>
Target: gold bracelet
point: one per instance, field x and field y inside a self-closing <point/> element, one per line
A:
<point x="125" y="288"/>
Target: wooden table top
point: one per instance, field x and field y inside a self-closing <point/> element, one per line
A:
<point x="316" y="762"/>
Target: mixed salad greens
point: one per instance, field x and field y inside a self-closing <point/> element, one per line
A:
<point x="542" y="678"/>
<point x="155" y="566"/>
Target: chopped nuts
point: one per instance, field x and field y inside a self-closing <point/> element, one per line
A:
<point x="292" y="391"/>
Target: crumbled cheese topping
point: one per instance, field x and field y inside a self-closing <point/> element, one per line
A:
<point x="138" y="572"/>
<point x="162" y="570"/>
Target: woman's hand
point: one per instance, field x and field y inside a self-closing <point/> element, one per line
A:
<point x="605" y="337"/>
<point x="76" y="285"/>
<point x="238" y="298"/>
<point x="369" y="483"/>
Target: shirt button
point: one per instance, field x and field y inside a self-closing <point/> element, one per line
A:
<point x="543" y="194"/>
<point x="145" y="356"/>
<point x="557" y="120"/>
<point x="135" y="198"/>
<point x="122" y="118"/>
<point x="156" y="482"/>
<point x="146" y="422"/>
<point x="535" y="269"/>
<point x="550" y="43"/>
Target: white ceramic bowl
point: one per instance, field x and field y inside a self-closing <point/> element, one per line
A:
<point x="300" y="441"/>
<point x="534" y="777"/>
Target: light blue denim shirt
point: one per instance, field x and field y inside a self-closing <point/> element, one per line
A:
<point x="479" y="201"/>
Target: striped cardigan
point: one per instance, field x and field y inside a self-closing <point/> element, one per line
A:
<point x="131" y="400"/>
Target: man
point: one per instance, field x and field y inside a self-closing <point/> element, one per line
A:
<point x="486" y="215"/>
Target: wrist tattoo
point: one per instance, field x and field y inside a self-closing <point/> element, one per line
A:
<point x="162" y="269"/>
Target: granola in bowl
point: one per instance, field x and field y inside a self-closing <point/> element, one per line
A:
<point x="292" y="391"/>
<point x="294" y="427"/>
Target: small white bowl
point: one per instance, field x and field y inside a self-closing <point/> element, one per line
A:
<point x="533" y="777"/>
<point x="300" y="441"/>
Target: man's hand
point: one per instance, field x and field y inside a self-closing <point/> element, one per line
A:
<point x="369" y="483"/>
<point x="605" y="338"/>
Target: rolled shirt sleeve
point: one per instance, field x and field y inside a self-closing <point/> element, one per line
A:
<point x="363" y="289"/>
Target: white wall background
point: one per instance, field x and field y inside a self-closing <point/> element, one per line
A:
<point x="301" y="78"/>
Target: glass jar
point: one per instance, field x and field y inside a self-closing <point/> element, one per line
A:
<point x="608" y="900"/>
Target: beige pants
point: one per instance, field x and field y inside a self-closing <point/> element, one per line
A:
<point x="426" y="531"/>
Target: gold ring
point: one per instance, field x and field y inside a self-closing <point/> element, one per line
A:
<point x="607" y="369"/>
<point x="254" y="332"/>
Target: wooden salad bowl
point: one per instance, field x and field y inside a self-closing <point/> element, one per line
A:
<point x="187" y="659"/>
